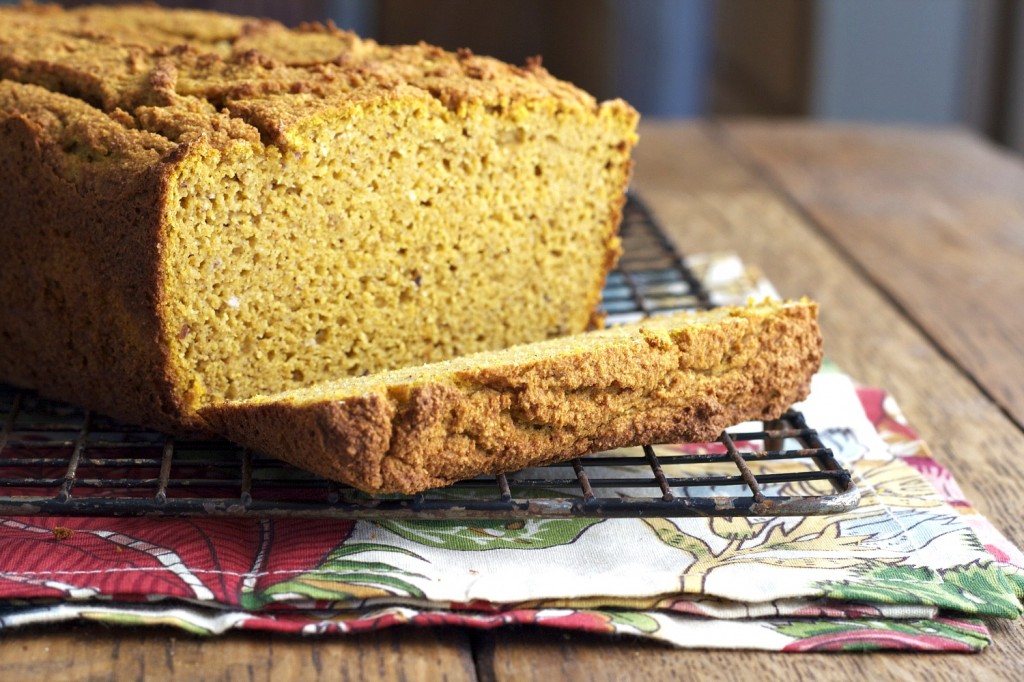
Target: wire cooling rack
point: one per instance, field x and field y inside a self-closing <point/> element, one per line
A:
<point x="57" y="459"/>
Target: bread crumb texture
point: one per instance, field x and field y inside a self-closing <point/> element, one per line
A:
<point x="199" y="207"/>
<point x="681" y="377"/>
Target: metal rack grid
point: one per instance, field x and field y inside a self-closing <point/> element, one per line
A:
<point x="57" y="459"/>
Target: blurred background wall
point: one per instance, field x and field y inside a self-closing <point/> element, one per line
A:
<point x="944" y="62"/>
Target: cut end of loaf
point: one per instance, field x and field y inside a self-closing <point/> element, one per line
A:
<point x="389" y="235"/>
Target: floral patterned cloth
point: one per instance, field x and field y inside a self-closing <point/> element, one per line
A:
<point x="912" y="567"/>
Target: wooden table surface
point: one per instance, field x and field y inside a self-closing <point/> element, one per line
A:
<point x="913" y="243"/>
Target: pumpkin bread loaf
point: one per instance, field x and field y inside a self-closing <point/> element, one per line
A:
<point x="197" y="207"/>
<point x="682" y="377"/>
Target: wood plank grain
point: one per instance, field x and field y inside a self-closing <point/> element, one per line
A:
<point x="935" y="217"/>
<point x="708" y="199"/>
<point x="90" y="652"/>
<point x="585" y="658"/>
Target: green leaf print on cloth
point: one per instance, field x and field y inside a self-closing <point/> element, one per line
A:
<point x="340" y="578"/>
<point x="973" y="588"/>
<point x="636" y="620"/>
<point x="480" y="536"/>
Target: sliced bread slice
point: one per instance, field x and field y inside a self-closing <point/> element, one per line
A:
<point x="680" y="377"/>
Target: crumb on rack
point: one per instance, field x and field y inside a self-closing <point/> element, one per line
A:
<point x="62" y="533"/>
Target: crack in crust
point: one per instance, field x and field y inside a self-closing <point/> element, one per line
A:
<point x="188" y="75"/>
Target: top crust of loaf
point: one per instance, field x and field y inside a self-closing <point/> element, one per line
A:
<point x="192" y="75"/>
<point x="683" y="377"/>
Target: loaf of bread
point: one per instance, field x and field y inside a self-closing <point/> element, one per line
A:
<point x="682" y="377"/>
<point x="197" y="207"/>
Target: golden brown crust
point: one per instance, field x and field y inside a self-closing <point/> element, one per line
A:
<point x="81" y="217"/>
<point x="664" y="380"/>
<point x="220" y="78"/>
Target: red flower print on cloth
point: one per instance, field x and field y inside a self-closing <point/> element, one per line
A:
<point x="196" y="559"/>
